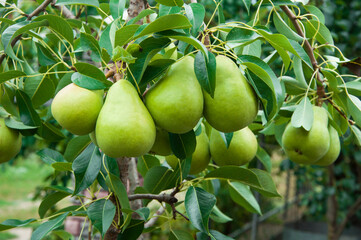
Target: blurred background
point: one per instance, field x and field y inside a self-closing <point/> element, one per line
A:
<point x="305" y="190"/>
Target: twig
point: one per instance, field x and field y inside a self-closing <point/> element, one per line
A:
<point x="340" y="111"/>
<point x="167" y="198"/>
<point x="154" y="219"/>
<point x="63" y="9"/>
<point x="134" y="182"/>
<point x="332" y="205"/>
<point x="351" y="211"/>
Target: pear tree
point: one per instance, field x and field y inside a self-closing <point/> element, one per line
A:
<point x="156" y="102"/>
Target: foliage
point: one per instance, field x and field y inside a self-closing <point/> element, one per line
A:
<point x="76" y="41"/>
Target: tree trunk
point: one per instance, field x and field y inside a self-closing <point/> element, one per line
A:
<point x="332" y="206"/>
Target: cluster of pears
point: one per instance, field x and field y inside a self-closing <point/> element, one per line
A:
<point x="125" y="126"/>
<point x="319" y="146"/>
<point x="10" y="142"/>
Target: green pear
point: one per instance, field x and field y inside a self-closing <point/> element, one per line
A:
<point x="235" y="104"/>
<point x="242" y="149"/>
<point x="161" y="144"/>
<point x="334" y="150"/>
<point x="76" y="109"/>
<point x="124" y="127"/>
<point x="10" y="142"/>
<point x="172" y="161"/>
<point x="176" y="101"/>
<point x="307" y="147"/>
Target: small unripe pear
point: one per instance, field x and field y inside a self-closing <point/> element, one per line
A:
<point x="10" y="142"/>
<point x="76" y="109"/>
<point x="161" y="144"/>
<point x="334" y="150"/>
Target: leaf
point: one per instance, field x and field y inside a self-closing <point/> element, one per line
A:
<point x="62" y="166"/>
<point x="303" y="115"/>
<point x="357" y="135"/>
<point x="319" y="31"/>
<point x="28" y="115"/>
<point x="218" y="216"/>
<point x="50" y="156"/>
<point x="264" y="158"/>
<point x="283" y="28"/>
<point x="155" y="179"/>
<point x="101" y="213"/>
<point x="154" y="70"/>
<point x="315" y="11"/>
<point x="59" y="25"/>
<point x="88" y="43"/>
<point x="133" y="231"/>
<point x="183" y="145"/>
<point x="242" y="195"/>
<point x="141" y="15"/>
<point x="168" y="22"/>
<point x="48" y="226"/>
<point x="5" y="76"/>
<point x="50" y="133"/>
<point x="227" y="138"/>
<point x="145" y="163"/>
<point x="165" y="10"/>
<point x="199" y="205"/>
<point x="180" y="235"/>
<point x="143" y="212"/>
<point x="268" y="187"/>
<point x="354" y="105"/>
<point x="89" y="76"/>
<point x="236" y="173"/>
<point x="195" y="13"/>
<point x="86" y="168"/>
<point x="247" y="4"/>
<point x="49" y="201"/>
<point x="205" y="71"/>
<point x="76" y="146"/>
<point x="14" y="124"/>
<point x="93" y="3"/>
<point x="120" y="54"/>
<point x="40" y="89"/>
<point x="104" y="41"/>
<point x="125" y="34"/>
<point x="171" y="3"/>
<point x="215" y="235"/>
<point x="13" y="223"/>
<point x="87" y="82"/>
<point x="117" y="8"/>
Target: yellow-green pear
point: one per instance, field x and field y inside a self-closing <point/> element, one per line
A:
<point x="334" y="150"/>
<point x="307" y="147"/>
<point x="161" y="144"/>
<point x="76" y="109"/>
<point x="124" y="127"/>
<point x="10" y="142"/>
<point x="200" y="156"/>
<point x="172" y="161"/>
<point x="176" y="101"/>
<point x="242" y="149"/>
<point x="235" y="104"/>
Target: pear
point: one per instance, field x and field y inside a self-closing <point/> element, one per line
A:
<point x="10" y="142"/>
<point x="176" y="101"/>
<point x="76" y="109"/>
<point x="200" y="156"/>
<point x="124" y="127"/>
<point x="334" y="150"/>
<point x="235" y="104"/>
<point x="242" y="149"/>
<point x="161" y="145"/>
<point x="307" y="147"/>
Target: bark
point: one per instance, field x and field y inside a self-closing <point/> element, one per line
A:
<point x="332" y="206"/>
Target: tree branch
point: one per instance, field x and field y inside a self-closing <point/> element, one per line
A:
<point x="64" y="10"/>
<point x="351" y="211"/>
<point x="332" y="205"/>
<point x="167" y="198"/>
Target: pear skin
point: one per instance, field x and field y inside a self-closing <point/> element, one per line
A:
<point x="242" y="149"/>
<point x="172" y="161"/>
<point x="10" y="142"/>
<point x="176" y="101"/>
<point x="161" y="144"/>
<point x="235" y="104"/>
<point x="124" y="127"/>
<point x="201" y="155"/>
<point x="308" y="147"/>
<point x="76" y="109"/>
<point x="334" y="150"/>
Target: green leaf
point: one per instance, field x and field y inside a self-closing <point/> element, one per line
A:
<point x="354" y="106"/>
<point x="89" y="76"/>
<point x="104" y="41"/>
<point x="28" y="115"/>
<point x="155" y="179"/>
<point x="50" y="201"/>
<point x="145" y="163"/>
<point x="215" y="235"/>
<point x="76" y="146"/>
<point x="133" y="231"/>
<point x="125" y="34"/>
<point x="59" y="25"/>
<point x="165" y="10"/>
<point x="315" y="11"/>
<point x="101" y="213"/>
<point x="40" y="89"/>
<point x="227" y="138"/>
<point x="117" y="8"/>
<point x="168" y="22"/>
<point x="86" y="168"/>
<point x="48" y="226"/>
<point x="50" y="133"/>
<point x="14" y="124"/>
<point x="143" y="212"/>
<point x="171" y="3"/>
<point x="5" y="76"/>
<point x="62" y="166"/>
<point x="199" y="205"/>
<point x="154" y="70"/>
<point x="50" y="156"/>
<point x="120" y="191"/>
<point x="141" y="15"/>
<point x="195" y="13"/>
<point x="180" y="235"/>
<point x="87" y="82"/>
<point x="247" y="4"/>
<point x="283" y="28"/>
<point x="183" y="145"/>
<point x="319" y="31"/>
<point x="120" y="54"/>
<point x="265" y="159"/>
<point x="218" y="216"/>
<point x="357" y="134"/>
<point x="301" y="53"/>
<point x="88" y="43"/>
<point x="303" y="115"/>
<point x="235" y="173"/>
<point x="268" y="187"/>
<point x="93" y="3"/>
<point x="205" y="71"/>
<point x="242" y="195"/>
<point x="13" y="223"/>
